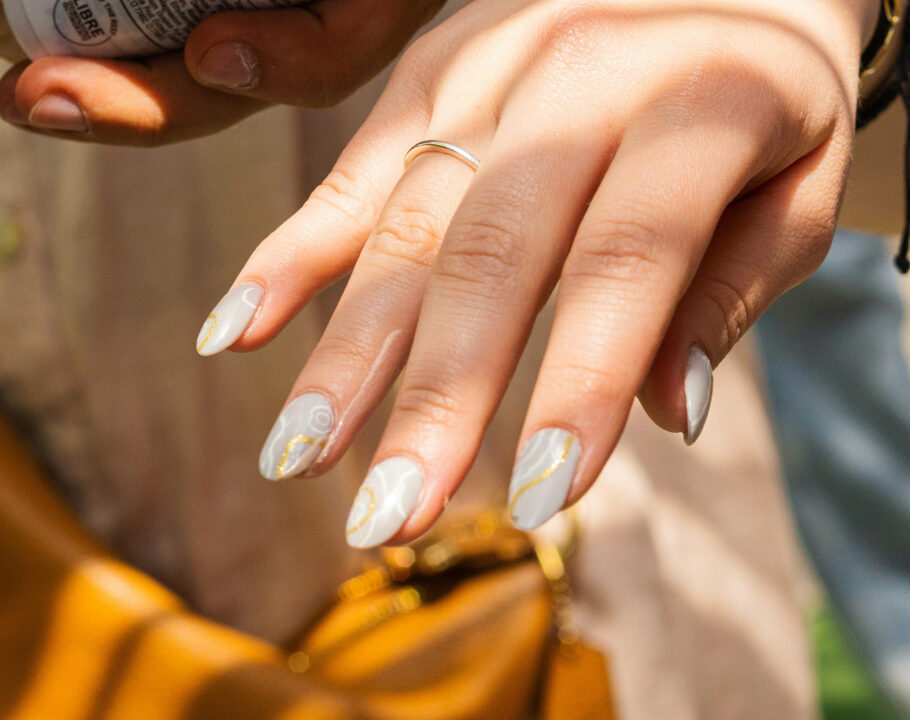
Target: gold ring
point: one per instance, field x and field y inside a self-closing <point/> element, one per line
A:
<point x="454" y="151"/>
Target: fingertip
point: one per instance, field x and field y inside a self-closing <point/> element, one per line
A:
<point x="280" y="55"/>
<point x="662" y="394"/>
<point x="698" y="388"/>
<point x="385" y="503"/>
<point x="230" y="65"/>
<point x="223" y="51"/>
<point x="677" y="392"/>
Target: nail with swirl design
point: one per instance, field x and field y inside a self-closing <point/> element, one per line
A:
<point x="542" y="476"/>
<point x="385" y="500"/>
<point x="298" y="437"/>
<point x="229" y="319"/>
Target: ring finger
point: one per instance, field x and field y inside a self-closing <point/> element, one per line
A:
<point x="366" y="342"/>
<point x="635" y="253"/>
<point x="497" y="265"/>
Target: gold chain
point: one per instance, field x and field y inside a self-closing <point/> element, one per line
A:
<point x="894" y="13"/>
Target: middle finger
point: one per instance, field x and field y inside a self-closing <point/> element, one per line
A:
<point x="498" y="263"/>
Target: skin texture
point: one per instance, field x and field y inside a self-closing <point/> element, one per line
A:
<point x="164" y="99"/>
<point x="676" y="166"/>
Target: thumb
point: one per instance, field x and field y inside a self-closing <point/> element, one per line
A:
<point x="313" y="55"/>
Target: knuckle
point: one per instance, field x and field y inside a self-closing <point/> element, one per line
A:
<point x="344" y="194"/>
<point x="419" y="52"/>
<point x="409" y="234"/>
<point x="707" y="72"/>
<point x="483" y="250"/>
<point x="350" y="350"/>
<point x="732" y="306"/>
<point x="569" y="30"/>
<point x="417" y="65"/>
<point x="620" y="249"/>
<point x="714" y="79"/>
<point x="809" y="248"/>
<point x="427" y="403"/>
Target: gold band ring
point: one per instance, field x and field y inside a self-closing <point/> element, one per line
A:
<point x="454" y="151"/>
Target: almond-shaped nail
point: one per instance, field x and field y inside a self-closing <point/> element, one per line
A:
<point x="58" y="112"/>
<point x="298" y="437"/>
<point x="699" y="385"/>
<point x="385" y="500"/>
<point x="542" y="477"/>
<point x="230" y="318"/>
<point x="230" y="65"/>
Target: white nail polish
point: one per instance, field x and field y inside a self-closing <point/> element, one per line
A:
<point x="385" y="500"/>
<point x="298" y="437"/>
<point x="229" y="319"/>
<point x="699" y="385"/>
<point x="542" y="477"/>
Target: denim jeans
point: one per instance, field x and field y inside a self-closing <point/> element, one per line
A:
<point x="839" y="393"/>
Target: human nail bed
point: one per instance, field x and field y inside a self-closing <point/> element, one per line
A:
<point x="230" y="65"/>
<point x="298" y="437"/>
<point x="230" y="318"/>
<point x="542" y="477"/>
<point x="58" y="112"/>
<point x="699" y="386"/>
<point x="385" y="500"/>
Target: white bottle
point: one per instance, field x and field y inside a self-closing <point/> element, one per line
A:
<point x="112" y="28"/>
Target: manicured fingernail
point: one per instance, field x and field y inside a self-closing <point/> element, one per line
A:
<point x="12" y="114"/>
<point x="385" y="500"/>
<point x="298" y="437"/>
<point x="58" y="112"/>
<point x="231" y="65"/>
<point x="699" y="385"/>
<point x="230" y="318"/>
<point x="542" y="476"/>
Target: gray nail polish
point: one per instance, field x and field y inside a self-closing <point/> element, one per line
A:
<point x="298" y="437"/>
<point x="230" y="318"/>
<point x="385" y="500"/>
<point x="699" y="385"/>
<point x="542" y="477"/>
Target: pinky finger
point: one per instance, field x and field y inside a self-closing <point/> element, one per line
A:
<point x="765" y="244"/>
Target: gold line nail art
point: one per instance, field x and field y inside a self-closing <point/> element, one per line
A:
<point x="367" y="516"/>
<point x="567" y="446"/>
<point x="208" y="334"/>
<point x="307" y="420"/>
<point x="392" y="488"/>
<point x="282" y="468"/>
<point x="229" y="319"/>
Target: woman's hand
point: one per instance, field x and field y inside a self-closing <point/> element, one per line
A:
<point x="235" y="63"/>
<point x="675" y="165"/>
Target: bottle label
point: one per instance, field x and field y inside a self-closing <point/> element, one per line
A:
<point x="121" y="28"/>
